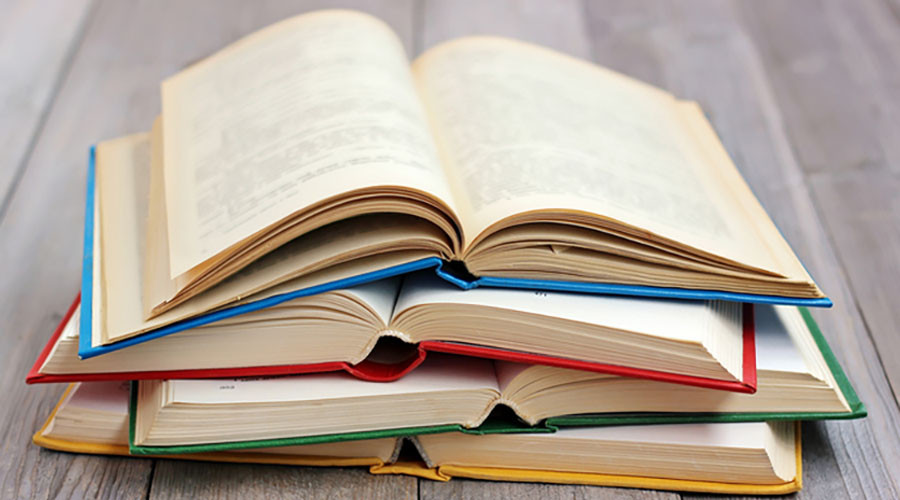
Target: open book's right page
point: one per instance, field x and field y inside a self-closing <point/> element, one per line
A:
<point x="523" y="129"/>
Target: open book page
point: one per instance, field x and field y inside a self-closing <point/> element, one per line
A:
<point x="731" y="435"/>
<point x="438" y="373"/>
<point x="98" y="304"/>
<point x="124" y="169"/>
<point x="157" y="286"/>
<point x="507" y="371"/>
<point x="123" y="186"/>
<point x="680" y="320"/>
<point x="525" y="129"/>
<point x="379" y="295"/>
<point x="775" y="349"/>
<point x="107" y="397"/>
<point x="306" y="110"/>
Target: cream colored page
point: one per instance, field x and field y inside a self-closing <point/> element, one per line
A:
<point x="97" y="293"/>
<point x="523" y="128"/>
<point x="507" y="371"/>
<point x="307" y="109"/>
<point x="123" y="187"/>
<point x="682" y="320"/>
<point x="438" y="373"/>
<point x="70" y="331"/>
<point x="156" y="287"/>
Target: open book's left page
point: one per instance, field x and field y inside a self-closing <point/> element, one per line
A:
<point x="129" y="185"/>
<point x="287" y="120"/>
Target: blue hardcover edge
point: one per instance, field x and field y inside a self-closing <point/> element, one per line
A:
<point x="86" y="350"/>
<point x="87" y="261"/>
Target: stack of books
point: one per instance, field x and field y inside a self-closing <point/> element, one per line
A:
<point x="497" y="262"/>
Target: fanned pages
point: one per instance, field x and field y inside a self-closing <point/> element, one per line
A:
<point x="317" y="127"/>
<point x="762" y="458"/>
<point x="393" y="322"/>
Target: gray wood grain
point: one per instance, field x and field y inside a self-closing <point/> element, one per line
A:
<point x="174" y="479"/>
<point x="699" y="51"/>
<point x="37" y="41"/>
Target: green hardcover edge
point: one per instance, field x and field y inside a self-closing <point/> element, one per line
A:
<point x="857" y="408"/>
<point x="497" y="423"/>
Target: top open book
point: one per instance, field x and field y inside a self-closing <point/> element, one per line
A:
<point x="289" y="146"/>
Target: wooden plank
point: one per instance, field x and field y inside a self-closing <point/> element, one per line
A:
<point x="111" y="90"/>
<point x="700" y="52"/>
<point x="857" y="191"/>
<point x="840" y="70"/>
<point x="37" y="40"/>
<point x="559" y="25"/>
<point x="174" y="479"/>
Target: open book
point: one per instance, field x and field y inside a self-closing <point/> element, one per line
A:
<point x="797" y="381"/>
<point x="381" y="330"/>
<point x="93" y="418"/>
<point x="280" y="156"/>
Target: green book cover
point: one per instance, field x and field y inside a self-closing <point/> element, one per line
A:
<point x="504" y="420"/>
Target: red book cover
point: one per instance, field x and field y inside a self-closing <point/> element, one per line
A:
<point x="381" y="372"/>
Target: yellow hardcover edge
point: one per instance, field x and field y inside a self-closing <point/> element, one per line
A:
<point x="523" y="475"/>
<point x="243" y="457"/>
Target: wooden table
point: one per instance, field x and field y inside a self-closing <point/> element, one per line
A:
<point x="805" y="95"/>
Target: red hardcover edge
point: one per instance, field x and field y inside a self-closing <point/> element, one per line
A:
<point x="379" y="372"/>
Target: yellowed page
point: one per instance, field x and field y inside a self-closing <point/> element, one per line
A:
<point x="307" y="109"/>
<point x="157" y="286"/>
<point x="526" y="129"/>
<point x="123" y="179"/>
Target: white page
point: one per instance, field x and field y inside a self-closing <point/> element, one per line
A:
<point x="379" y="295"/>
<point x="730" y="435"/>
<point x="683" y="320"/>
<point x="775" y="350"/>
<point x="107" y="396"/>
<point x="437" y="373"/>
